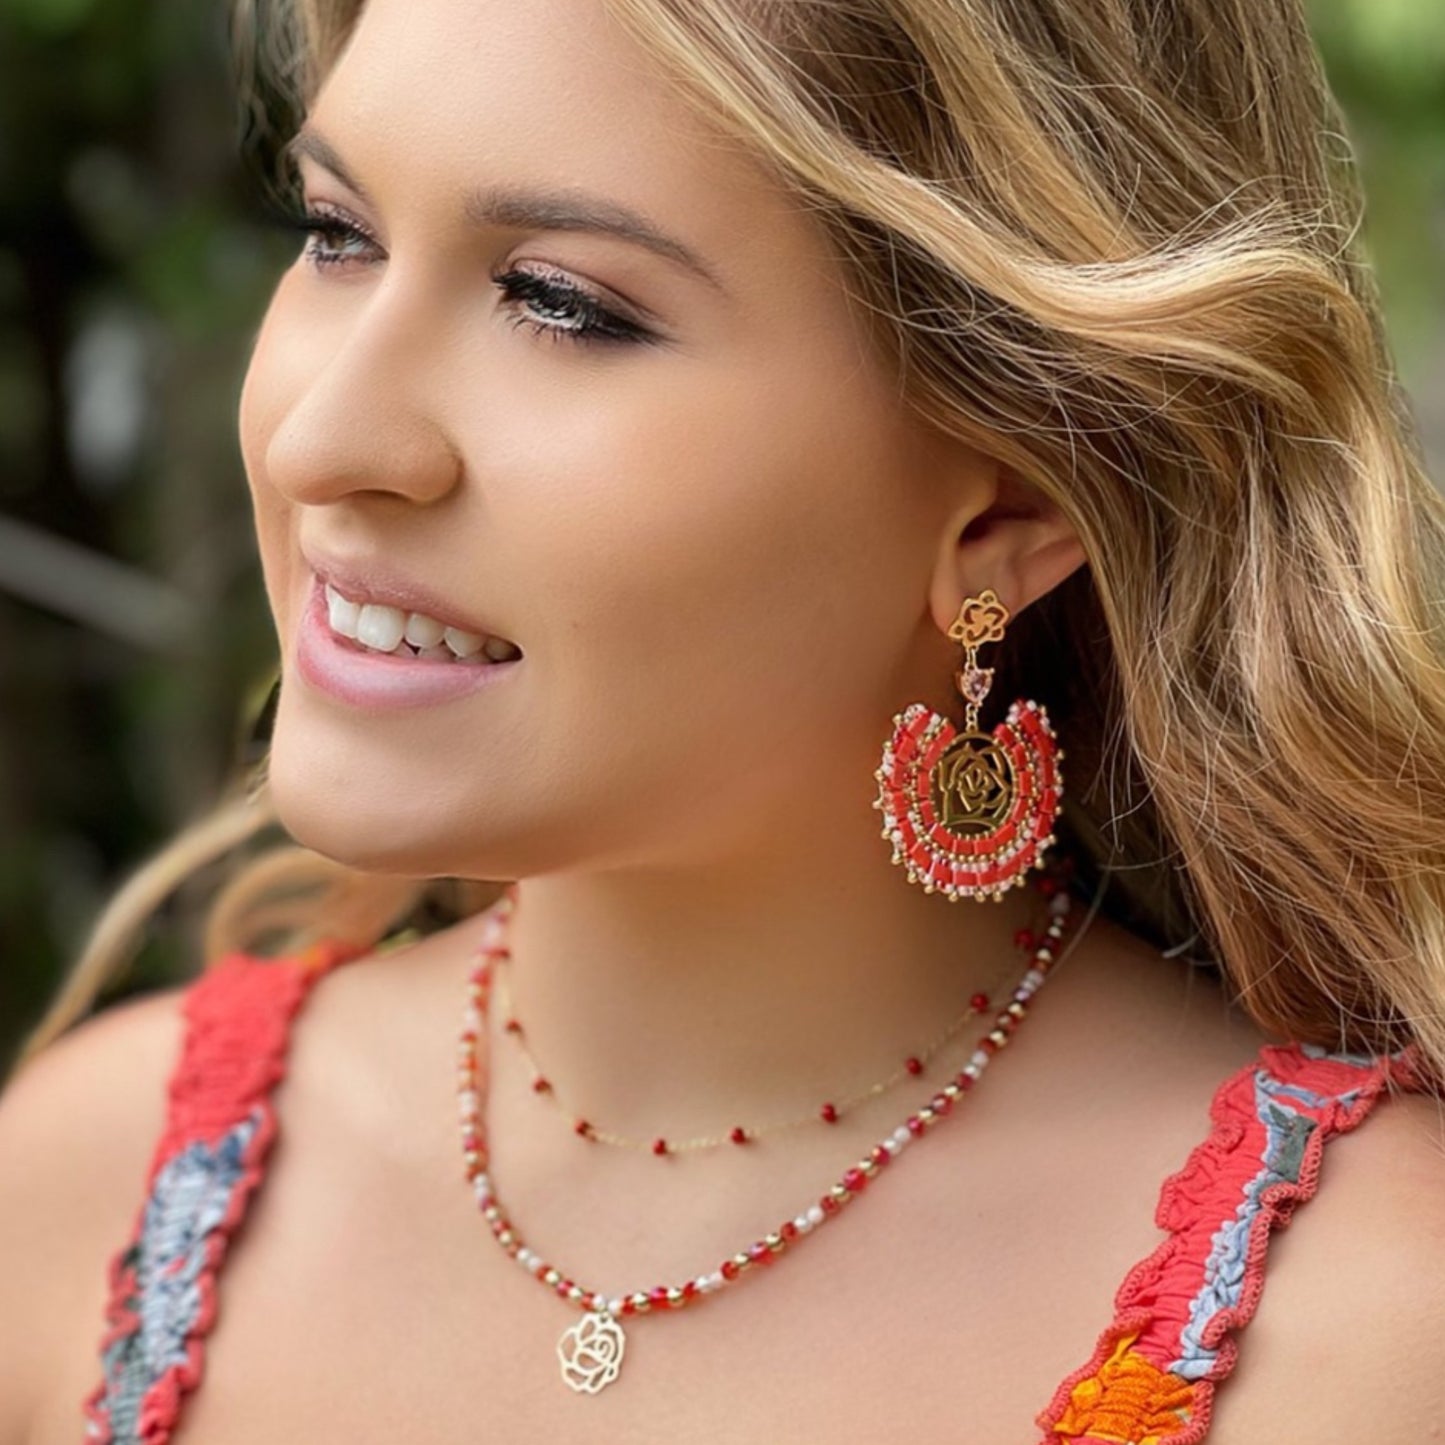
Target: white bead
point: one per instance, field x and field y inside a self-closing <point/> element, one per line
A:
<point x="900" y="1137"/>
<point x="979" y="1059"/>
<point x="802" y="1224"/>
<point x="1060" y="903"/>
<point x="815" y="1214"/>
<point x="614" y="1306"/>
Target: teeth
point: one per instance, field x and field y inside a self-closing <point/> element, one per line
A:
<point x="380" y="627"/>
<point x="464" y="644"/>
<point x="343" y="613"/>
<point x="498" y="649"/>
<point x="423" y="631"/>
<point x="387" y="629"/>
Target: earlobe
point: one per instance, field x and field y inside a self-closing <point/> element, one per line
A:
<point x="1021" y="544"/>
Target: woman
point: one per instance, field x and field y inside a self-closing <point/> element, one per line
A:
<point x="779" y="442"/>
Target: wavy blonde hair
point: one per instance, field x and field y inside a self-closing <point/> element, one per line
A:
<point x="1116" y="245"/>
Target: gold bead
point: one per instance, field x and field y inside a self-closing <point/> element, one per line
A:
<point x="999" y="1037"/>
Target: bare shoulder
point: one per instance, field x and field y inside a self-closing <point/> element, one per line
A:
<point x="1348" y="1342"/>
<point x="78" y="1126"/>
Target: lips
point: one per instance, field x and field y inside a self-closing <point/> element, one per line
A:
<point x="375" y="580"/>
<point x="379" y="681"/>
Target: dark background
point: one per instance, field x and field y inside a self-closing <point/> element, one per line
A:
<point x="137" y="255"/>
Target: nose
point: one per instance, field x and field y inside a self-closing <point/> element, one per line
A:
<point x="366" y="410"/>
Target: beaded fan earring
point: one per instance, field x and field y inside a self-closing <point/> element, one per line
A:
<point x="970" y="813"/>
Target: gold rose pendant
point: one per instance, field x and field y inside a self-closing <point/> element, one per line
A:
<point x="590" y="1352"/>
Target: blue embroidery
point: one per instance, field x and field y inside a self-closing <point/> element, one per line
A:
<point x="1287" y="1134"/>
<point x="189" y="1199"/>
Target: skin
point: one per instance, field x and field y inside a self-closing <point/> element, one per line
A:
<point x="729" y="558"/>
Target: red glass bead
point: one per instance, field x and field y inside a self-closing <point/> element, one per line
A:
<point x="964" y="1081"/>
<point x="541" y="1085"/>
<point x="658" y="1297"/>
<point x="690" y="1290"/>
<point x="759" y="1253"/>
<point x="979" y="1001"/>
<point x="940" y="1103"/>
<point x="855" y="1180"/>
<point x="729" y="1269"/>
<point x="659" y="1146"/>
<point x="880" y="1155"/>
<point x="512" y="1026"/>
<point x="628" y="1306"/>
<point x="789" y="1230"/>
<point x="1048" y="886"/>
<point x="739" y="1135"/>
<point x="584" y="1128"/>
<point x="914" y="1066"/>
<point x="915" y="1125"/>
<point x="829" y="1113"/>
<point x="828" y="1204"/>
<point x="989" y="1045"/>
<point x="1023" y="939"/>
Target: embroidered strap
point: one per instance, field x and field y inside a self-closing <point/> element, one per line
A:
<point x="1152" y="1375"/>
<point x="219" y="1127"/>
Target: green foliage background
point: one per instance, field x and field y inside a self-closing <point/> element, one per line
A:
<point x="136" y="259"/>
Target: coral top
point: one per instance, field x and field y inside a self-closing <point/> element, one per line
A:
<point x="1149" y="1380"/>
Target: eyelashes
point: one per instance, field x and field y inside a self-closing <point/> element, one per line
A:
<point x="542" y="302"/>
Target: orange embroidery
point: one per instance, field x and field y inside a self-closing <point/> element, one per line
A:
<point x="1130" y="1400"/>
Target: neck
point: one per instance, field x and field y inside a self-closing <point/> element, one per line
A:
<point x="681" y="1003"/>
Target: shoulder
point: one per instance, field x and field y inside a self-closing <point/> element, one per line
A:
<point x="1348" y="1342"/>
<point x="78" y="1126"/>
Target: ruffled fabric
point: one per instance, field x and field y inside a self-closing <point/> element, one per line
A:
<point x="1149" y="1381"/>
<point x="1151" y="1378"/>
<point x="219" y="1128"/>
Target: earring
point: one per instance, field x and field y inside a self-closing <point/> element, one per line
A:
<point x="970" y="813"/>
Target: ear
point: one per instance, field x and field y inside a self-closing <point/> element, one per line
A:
<point x="1019" y="543"/>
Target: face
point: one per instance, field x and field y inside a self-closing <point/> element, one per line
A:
<point x="675" y="479"/>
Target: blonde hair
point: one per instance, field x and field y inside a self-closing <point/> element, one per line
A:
<point x="1115" y="245"/>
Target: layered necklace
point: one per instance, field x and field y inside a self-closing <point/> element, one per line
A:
<point x="590" y="1351"/>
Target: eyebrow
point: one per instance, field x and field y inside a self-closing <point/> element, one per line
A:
<point x="528" y="208"/>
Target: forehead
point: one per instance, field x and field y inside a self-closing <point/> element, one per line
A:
<point x="445" y="96"/>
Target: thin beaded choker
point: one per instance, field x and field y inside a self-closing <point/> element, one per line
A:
<point x="829" y="1112"/>
<point x="590" y="1351"/>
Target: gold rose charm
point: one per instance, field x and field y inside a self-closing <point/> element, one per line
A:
<point x="591" y="1352"/>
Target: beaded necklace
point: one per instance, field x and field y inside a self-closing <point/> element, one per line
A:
<point x="590" y="1351"/>
<point x="829" y="1112"/>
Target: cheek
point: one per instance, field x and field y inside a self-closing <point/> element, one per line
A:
<point x="723" y="543"/>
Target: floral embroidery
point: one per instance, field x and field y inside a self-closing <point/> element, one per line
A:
<point x="220" y="1124"/>
<point x="1152" y="1376"/>
<point x="162" y="1272"/>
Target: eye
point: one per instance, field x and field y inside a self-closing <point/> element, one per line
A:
<point x="575" y="313"/>
<point x="545" y="303"/>
<point x="324" y="230"/>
